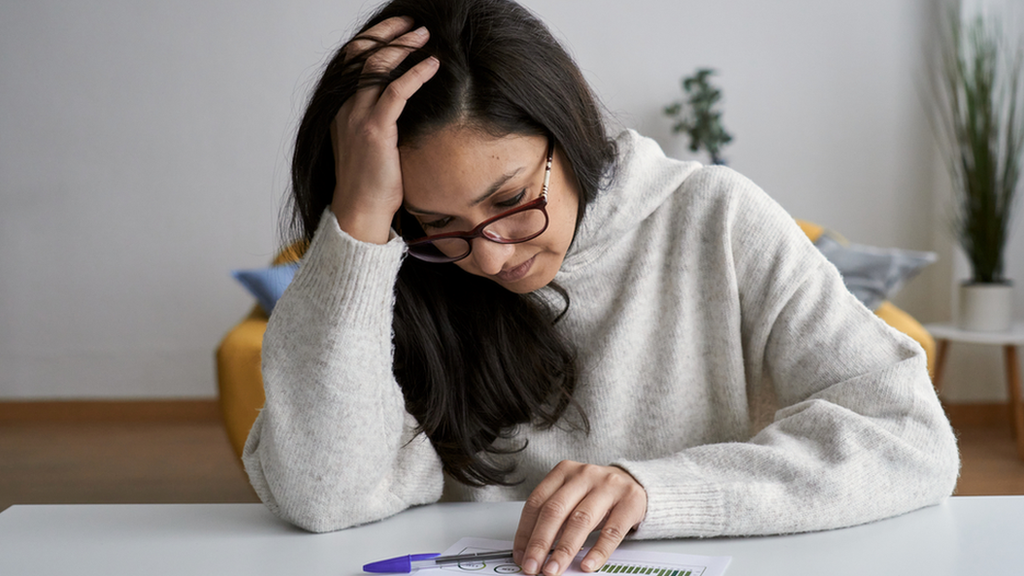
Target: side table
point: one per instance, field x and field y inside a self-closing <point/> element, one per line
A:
<point x="1009" y="340"/>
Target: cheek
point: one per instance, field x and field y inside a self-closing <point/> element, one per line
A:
<point x="563" y="220"/>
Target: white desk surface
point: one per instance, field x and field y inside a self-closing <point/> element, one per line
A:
<point x="965" y="535"/>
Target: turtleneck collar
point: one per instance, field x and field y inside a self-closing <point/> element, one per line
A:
<point x="642" y="179"/>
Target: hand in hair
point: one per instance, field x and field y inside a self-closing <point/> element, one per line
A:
<point x="572" y="501"/>
<point x="364" y="133"/>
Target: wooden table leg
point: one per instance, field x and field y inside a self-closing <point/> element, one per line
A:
<point x="940" y="361"/>
<point x="1016" y="408"/>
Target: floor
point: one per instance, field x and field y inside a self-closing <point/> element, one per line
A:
<point x="193" y="462"/>
<point x="119" y="463"/>
<point x="989" y="463"/>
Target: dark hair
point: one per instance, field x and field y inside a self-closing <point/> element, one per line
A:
<point x="474" y="360"/>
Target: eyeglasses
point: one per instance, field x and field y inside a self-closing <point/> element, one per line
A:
<point x="520" y="224"/>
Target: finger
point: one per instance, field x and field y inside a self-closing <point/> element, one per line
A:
<point x="576" y="528"/>
<point x="385" y="60"/>
<point x="551" y="518"/>
<point x="531" y="510"/>
<point x="382" y="33"/>
<point x="388" y="57"/>
<point x="620" y="521"/>
<point x="392" y="100"/>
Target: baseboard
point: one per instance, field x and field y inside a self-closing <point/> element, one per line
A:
<point x="978" y="415"/>
<point x="80" y="411"/>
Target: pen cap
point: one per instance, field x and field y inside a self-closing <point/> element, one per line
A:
<point x="402" y="564"/>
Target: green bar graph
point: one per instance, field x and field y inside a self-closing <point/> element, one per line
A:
<point x="643" y="570"/>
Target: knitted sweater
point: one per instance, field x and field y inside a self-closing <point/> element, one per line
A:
<point x="722" y="363"/>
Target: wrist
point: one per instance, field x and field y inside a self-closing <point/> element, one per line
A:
<point x="373" y="228"/>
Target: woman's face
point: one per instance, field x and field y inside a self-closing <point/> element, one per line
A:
<point x="458" y="177"/>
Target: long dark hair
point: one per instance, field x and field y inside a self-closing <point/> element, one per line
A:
<point x="474" y="360"/>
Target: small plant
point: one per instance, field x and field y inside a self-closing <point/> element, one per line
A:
<point x="697" y="117"/>
<point x="979" y="89"/>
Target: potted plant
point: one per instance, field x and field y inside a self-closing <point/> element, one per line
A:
<point x="979" y="90"/>
<point x="697" y="116"/>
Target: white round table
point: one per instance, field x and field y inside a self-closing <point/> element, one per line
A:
<point x="1009" y="340"/>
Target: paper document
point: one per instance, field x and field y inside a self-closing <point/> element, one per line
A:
<point x="635" y="562"/>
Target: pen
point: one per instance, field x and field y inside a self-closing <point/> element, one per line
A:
<point x="406" y="564"/>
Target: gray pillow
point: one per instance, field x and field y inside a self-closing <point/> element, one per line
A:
<point x="874" y="275"/>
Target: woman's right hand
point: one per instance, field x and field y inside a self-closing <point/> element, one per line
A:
<point x="364" y="133"/>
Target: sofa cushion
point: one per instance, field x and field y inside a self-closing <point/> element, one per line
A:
<point x="872" y="274"/>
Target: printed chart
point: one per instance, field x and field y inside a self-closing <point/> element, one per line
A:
<point x="623" y="562"/>
<point x="651" y="570"/>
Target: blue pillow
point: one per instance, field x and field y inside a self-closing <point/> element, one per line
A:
<point x="267" y="284"/>
<point x="874" y="275"/>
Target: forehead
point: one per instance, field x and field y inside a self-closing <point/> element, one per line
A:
<point x="457" y="164"/>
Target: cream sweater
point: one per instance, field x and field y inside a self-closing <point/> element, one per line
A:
<point x="723" y="364"/>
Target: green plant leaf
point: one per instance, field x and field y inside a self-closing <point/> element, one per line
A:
<point x="698" y="116"/>
<point x="979" y="89"/>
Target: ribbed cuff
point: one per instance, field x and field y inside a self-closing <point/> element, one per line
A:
<point x="676" y="507"/>
<point x="339" y="271"/>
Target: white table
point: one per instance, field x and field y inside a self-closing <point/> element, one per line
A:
<point x="1009" y="340"/>
<point x="965" y="535"/>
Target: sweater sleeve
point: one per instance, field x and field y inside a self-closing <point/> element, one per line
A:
<point x="858" y="433"/>
<point x="333" y="446"/>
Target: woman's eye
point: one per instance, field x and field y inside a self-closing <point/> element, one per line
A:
<point x="513" y="201"/>
<point x="435" y="224"/>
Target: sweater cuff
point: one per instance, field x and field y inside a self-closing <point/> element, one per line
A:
<point x="676" y="508"/>
<point x="340" y="271"/>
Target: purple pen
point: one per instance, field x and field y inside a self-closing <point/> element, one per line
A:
<point x="406" y="564"/>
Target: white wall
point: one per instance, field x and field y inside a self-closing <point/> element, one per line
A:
<point x="143" y="154"/>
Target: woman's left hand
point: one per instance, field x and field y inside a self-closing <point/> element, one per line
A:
<point x="572" y="501"/>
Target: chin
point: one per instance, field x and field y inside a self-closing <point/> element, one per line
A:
<point x="522" y="287"/>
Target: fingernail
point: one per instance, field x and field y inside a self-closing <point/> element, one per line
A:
<point x="421" y="31"/>
<point x="551" y="569"/>
<point x="530" y="567"/>
<point x="587" y="565"/>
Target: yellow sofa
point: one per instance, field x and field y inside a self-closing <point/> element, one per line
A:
<point x="239" y="381"/>
<point x="238" y="357"/>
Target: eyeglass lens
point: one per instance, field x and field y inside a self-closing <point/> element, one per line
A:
<point x="517" y="227"/>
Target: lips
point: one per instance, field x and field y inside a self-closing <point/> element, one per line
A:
<point x="516" y="273"/>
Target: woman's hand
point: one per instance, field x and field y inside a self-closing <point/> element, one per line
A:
<point x="364" y="134"/>
<point x="572" y="501"/>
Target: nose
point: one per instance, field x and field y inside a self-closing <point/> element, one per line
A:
<point x="490" y="257"/>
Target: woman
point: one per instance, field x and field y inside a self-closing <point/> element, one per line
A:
<point x="628" y="342"/>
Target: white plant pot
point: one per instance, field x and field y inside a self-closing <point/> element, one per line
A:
<point x="986" y="307"/>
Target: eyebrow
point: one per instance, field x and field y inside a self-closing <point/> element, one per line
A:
<point x="491" y="191"/>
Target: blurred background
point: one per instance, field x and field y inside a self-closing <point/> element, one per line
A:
<point x="144" y="154"/>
